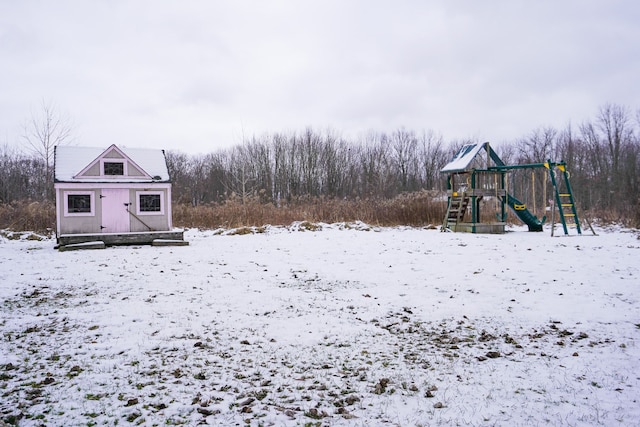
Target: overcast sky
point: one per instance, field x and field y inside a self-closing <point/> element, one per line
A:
<point x="196" y="75"/>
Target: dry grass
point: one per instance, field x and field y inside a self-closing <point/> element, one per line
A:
<point x="630" y="217"/>
<point x="39" y="217"/>
<point x="416" y="209"/>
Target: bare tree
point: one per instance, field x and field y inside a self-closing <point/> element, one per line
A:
<point x="433" y="157"/>
<point x="537" y="146"/>
<point x="179" y="166"/>
<point x="335" y="161"/>
<point x="21" y="176"/>
<point x="403" y="145"/>
<point x="309" y="149"/>
<point x="376" y="174"/>
<point x="613" y="122"/>
<point x="42" y="133"/>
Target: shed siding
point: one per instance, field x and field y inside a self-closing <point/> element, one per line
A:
<point x="155" y="222"/>
<point x="92" y="224"/>
<point x="134" y="171"/>
<point x="79" y="172"/>
<point x="113" y="154"/>
<point x="93" y="170"/>
<point x="79" y="224"/>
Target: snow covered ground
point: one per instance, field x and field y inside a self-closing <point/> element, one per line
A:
<point x="343" y="325"/>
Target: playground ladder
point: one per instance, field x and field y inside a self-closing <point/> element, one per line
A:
<point x="565" y="201"/>
<point x="455" y="211"/>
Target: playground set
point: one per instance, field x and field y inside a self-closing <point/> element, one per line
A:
<point x="477" y="176"/>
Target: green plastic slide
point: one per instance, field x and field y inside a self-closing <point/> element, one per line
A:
<point x="524" y="214"/>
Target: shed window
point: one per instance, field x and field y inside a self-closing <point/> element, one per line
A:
<point x="150" y="203"/>
<point x="113" y="168"/>
<point x="79" y="203"/>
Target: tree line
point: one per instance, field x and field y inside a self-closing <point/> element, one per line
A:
<point x="603" y="155"/>
<point x="280" y="168"/>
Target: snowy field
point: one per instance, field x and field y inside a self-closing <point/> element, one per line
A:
<point x="346" y="325"/>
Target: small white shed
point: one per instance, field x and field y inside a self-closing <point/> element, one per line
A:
<point x="117" y="196"/>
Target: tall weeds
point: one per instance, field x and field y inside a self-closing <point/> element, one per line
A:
<point x="39" y="217"/>
<point x="416" y="209"/>
<point x="421" y="208"/>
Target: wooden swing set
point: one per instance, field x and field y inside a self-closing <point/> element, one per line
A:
<point x="470" y="182"/>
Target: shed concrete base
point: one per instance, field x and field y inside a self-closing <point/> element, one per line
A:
<point x="87" y="245"/>
<point x="167" y="242"/>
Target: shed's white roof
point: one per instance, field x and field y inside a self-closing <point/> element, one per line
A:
<point x="71" y="160"/>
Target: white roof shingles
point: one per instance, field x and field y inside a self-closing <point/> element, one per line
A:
<point x="463" y="158"/>
<point x="70" y="160"/>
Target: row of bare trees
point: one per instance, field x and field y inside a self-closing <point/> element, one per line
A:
<point x="279" y="168"/>
<point x="22" y="176"/>
<point x="603" y="156"/>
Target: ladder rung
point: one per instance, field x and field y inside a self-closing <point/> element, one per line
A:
<point x="566" y="205"/>
<point x="565" y="195"/>
<point x="566" y="215"/>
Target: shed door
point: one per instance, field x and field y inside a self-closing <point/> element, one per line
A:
<point x="115" y="216"/>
